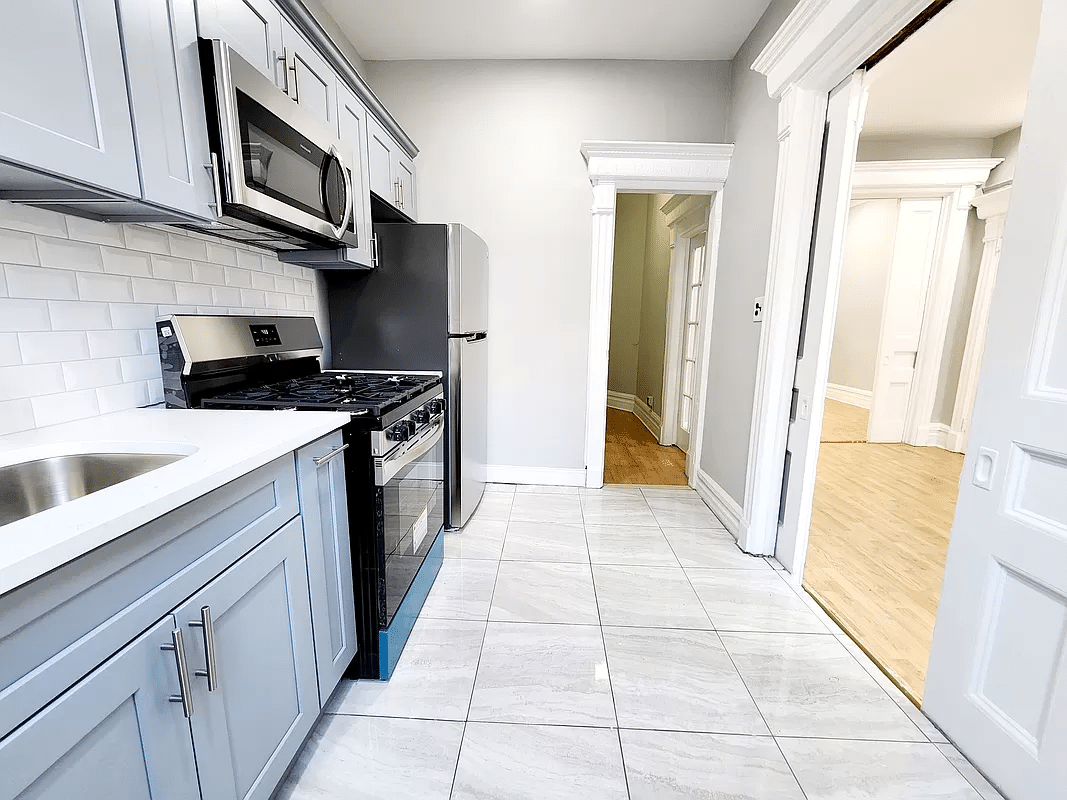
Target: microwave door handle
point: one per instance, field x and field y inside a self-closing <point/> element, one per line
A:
<point x="349" y="200"/>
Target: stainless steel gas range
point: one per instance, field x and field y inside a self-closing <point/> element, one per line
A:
<point x="394" y="462"/>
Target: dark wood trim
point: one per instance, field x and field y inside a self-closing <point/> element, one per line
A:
<point x="906" y="32"/>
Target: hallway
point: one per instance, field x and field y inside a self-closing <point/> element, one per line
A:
<point x="633" y="456"/>
<point x="879" y="537"/>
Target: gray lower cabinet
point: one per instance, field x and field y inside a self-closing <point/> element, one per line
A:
<point x="64" y="109"/>
<point x="113" y="735"/>
<point x="320" y="472"/>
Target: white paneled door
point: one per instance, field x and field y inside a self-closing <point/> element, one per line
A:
<point x="694" y="284"/>
<point x="997" y="683"/>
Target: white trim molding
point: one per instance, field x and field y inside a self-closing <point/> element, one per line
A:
<point x="630" y="167"/>
<point x="721" y="504"/>
<point x="861" y="398"/>
<point x="649" y="418"/>
<point x="534" y="476"/>
<point x="621" y="401"/>
<point x="992" y="207"/>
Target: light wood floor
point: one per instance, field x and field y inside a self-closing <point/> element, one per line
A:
<point x="844" y="423"/>
<point x="879" y="536"/>
<point x="632" y="454"/>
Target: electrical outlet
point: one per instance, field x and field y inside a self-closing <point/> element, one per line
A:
<point x="648" y="400"/>
<point x="757" y="309"/>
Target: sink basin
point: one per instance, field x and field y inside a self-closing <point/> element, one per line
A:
<point x="31" y="487"/>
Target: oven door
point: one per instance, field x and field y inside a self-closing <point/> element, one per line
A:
<point x="278" y="163"/>
<point x="411" y="481"/>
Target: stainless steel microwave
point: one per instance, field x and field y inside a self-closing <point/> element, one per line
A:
<point x="280" y="176"/>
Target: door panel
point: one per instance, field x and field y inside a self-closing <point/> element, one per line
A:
<point x="468" y="281"/>
<point x="352" y="131"/>
<point x="687" y="410"/>
<point x="65" y="108"/>
<point x="902" y="318"/>
<point x="380" y="147"/>
<point x="997" y="682"/>
<point x="405" y="175"/>
<point x="112" y="735"/>
<point x="311" y="81"/>
<point x="251" y="27"/>
<point x="249" y="728"/>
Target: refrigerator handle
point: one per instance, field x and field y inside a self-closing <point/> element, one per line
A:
<point x="471" y="336"/>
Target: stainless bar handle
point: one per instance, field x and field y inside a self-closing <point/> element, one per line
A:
<point x="216" y="185"/>
<point x="396" y="193"/>
<point x="211" y="673"/>
<point x="329" y="456"/>
<point x="400" y="184"/>
<point x="296" y="81"/>
<point x="186" y="691"/>
<point x="374" y="250"/>
<point x="284" y="58"/>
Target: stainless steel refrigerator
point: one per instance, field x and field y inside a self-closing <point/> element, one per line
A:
<point x="425" y="307"/>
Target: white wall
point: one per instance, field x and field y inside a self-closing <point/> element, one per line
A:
<point x="867" y="257"/>
<point x="499" y="145"/>
<point x="1005" y="146"/>
<point x="333" y="30"/>
<point x="627" y="284"/>
<point x="79" y="300"/>
<point x="744" y="249"/>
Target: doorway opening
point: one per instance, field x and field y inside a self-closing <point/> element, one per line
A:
<point x="659" y="277"/>
<point x="904" y="315"/>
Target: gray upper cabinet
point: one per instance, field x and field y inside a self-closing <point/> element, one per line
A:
<point x="251" y="27"/>
<point x="405" y="176"/>
<point x="251" y="652"/>
<point x="392" y="173"/>
<point x="308" y="79"/>
<point x="320" y="471"/>
<point x="64" y="109"/>
<point x="166" y="96"/>
<point x="112" y="735"/>
<point x="352" y="131"/>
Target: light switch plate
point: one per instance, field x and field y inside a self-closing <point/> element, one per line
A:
<point x="757" y="309"/>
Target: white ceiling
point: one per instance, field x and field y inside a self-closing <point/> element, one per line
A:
<point x="386" y="30"/>
<point x="963" y="74"/>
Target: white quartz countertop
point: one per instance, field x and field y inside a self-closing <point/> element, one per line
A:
<point x="220" y="446"/>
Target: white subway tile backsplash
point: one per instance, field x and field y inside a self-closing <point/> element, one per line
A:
<point x="149" y="290"/>
<point x="148" y="240"/>
<point x="29" y="380"/>
<point x="79" y="300"/>
<point x="92" y="374"/>
<point x="221" y="254"/>
<point x="23" y="315"/>
<point x="89" y="230"/>
<point x="171" y="269"/>
<point x="17" y="247"/>
<point x="41" y="283"/>
<point x="122" y="396"/>
<point x="53" y="346"/>
<point x="67" y="254"/>
<point x="140" y="368"/>
<point x="77" y="315"/>
<point x="126" y="262"/>
<point x="15" y="416"/>
<point x="110" y="344"/>
<point x="107" y="288"/>
<point x="53" y="409"/>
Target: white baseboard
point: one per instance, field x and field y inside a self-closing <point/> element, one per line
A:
<point x="957" y="441"/>
<point x="621" y="401"/>
<point x="729" y="512"/>
<point x="846" y="394"/>
<point x="541" y="476"/>
<point x="937" y="434"/>
<point x="649" y="418"/>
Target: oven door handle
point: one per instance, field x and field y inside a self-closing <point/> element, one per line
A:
<point x="386" y="467"/>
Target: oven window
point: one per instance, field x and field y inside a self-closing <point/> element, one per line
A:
<point x="414" y="511"/>
<point x="278" y="161"/>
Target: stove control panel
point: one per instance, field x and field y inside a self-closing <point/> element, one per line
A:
<point x="409" y="427"/>
<point x="265" y="335"/>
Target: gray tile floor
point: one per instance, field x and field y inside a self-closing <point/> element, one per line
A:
<point x="617" y="644"/>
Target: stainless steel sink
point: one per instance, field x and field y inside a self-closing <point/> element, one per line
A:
<point x="31" y="487"/>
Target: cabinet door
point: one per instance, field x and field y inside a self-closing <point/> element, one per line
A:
<point x="381" y="149"/>
<point x="251" y="27"/>
<point x="112" y="735"/>
<point x="64" y="108"/>
<point x="405" y="176"/>
<point x="248" y="728"/>
<point x="324" y="508"/>
<point x="352" y="131"/>
<point x="309" y="80"/>
<point x="167" y="97"/>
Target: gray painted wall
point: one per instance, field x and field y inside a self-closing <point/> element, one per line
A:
<point x="627" y="284"/>
<point x="654" y="303"/>
<point x="915" y="147"/>
<point x="500" y="153"/>
<point x="744" y="248"/>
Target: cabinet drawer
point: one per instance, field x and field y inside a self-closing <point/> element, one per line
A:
<point x="59" y="627"/>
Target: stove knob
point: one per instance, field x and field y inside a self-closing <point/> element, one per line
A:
<point x="421" y="416"/>
<point x="410" y="427"/>
<point x="398" y="433"/>
<point x="436" y="406"/>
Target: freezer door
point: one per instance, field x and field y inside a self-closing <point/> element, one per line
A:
<point x="468" y="281"/>
<point x="467" y="396"/>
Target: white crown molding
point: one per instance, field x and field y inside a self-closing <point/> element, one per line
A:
<point x="994" y="203"/>
<point x="823" y="40"/>
<point x="657" y="166"/>
<point x="681" y="207"/>
<point x="935" y="175"/>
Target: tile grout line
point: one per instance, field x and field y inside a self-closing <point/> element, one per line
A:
<point x="604" y="645"/>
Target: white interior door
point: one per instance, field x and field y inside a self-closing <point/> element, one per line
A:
<point x="694" y="283"/>
<point x="902" y="318"/>
<point x="997" y="683"/>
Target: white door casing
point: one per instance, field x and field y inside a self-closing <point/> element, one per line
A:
<point x="632" y="167"/>
<point x="902" y="318"/>
<point x="997" y="681"/>
<point x="690" y="372"/>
